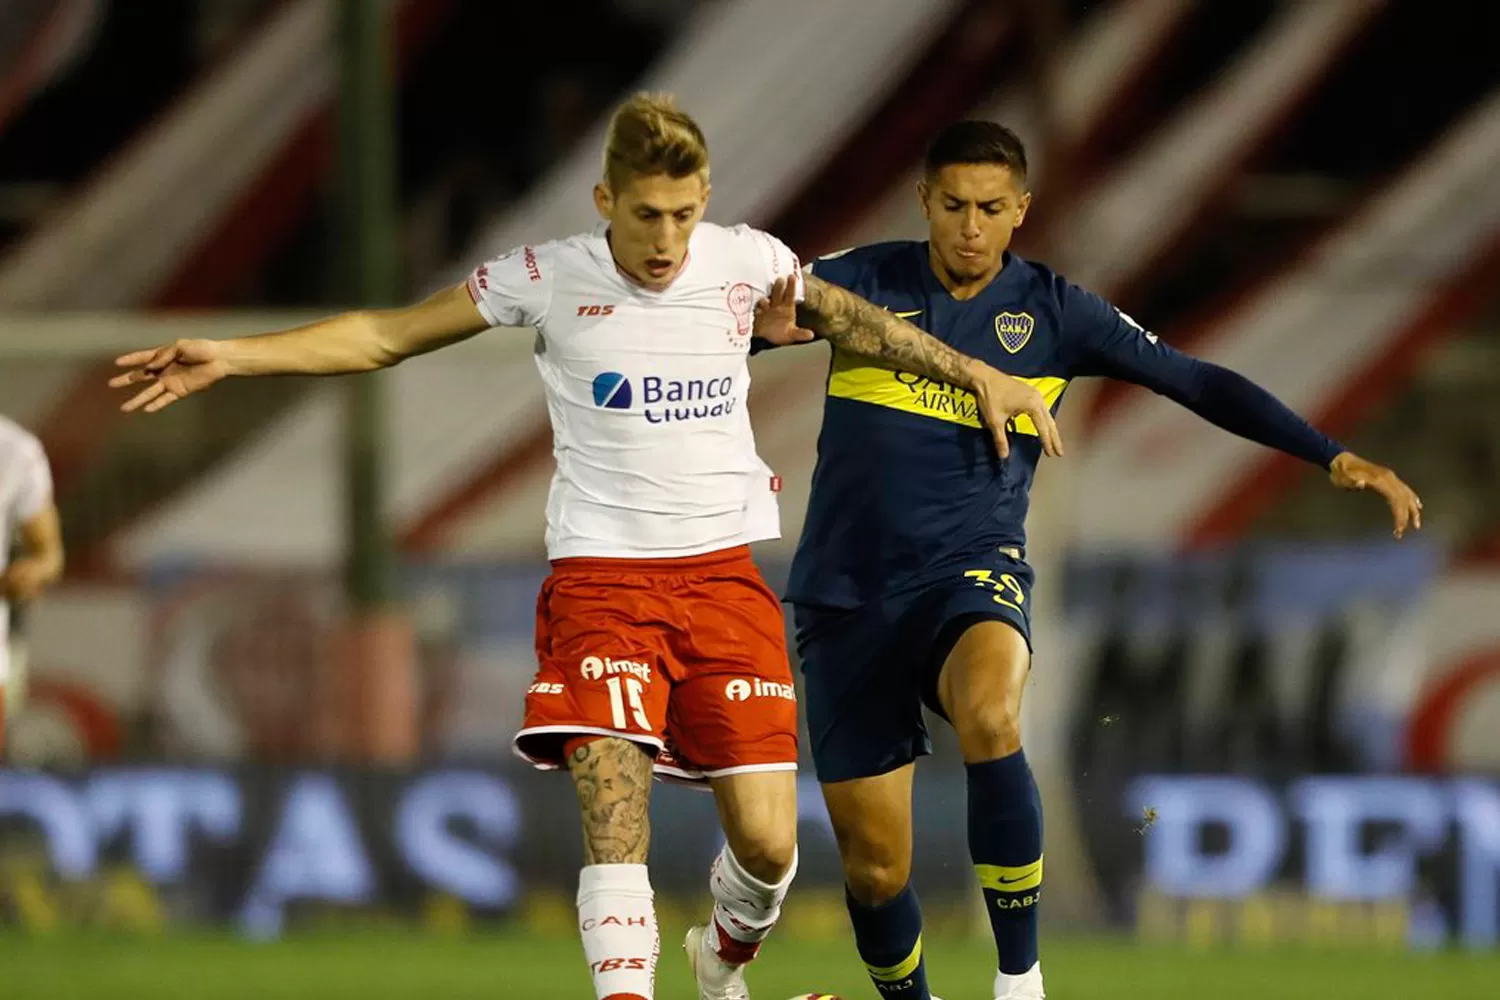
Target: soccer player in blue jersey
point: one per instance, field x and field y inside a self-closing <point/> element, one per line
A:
<point x="910" y="584"/>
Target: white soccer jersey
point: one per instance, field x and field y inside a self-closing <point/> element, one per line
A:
<point x="646" y="390"/>
<point x="25" y="491"/>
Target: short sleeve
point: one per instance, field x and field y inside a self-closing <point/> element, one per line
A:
<point x="515" y="288"/>
<point x="837" y="268"/>
<point x="33" y="481"/>
<point x="779" y="261"/>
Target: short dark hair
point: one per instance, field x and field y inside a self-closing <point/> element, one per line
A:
<point x="977" y="142"/>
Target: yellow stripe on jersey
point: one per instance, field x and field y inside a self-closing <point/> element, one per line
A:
<point x="902" y="969"/>
<point x="1010" y="879"/>
<point x="854" y="377"/>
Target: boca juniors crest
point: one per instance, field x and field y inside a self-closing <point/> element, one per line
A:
<point x="1014" y="330"/>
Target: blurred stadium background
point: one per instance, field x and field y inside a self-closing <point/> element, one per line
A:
<point x="1268" y="736"/>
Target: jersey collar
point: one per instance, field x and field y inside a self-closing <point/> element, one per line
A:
<point x="607" y="258"/>
<point x="1009" y="271"/>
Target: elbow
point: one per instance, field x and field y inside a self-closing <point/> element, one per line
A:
<point x="380" y="345"/>
<point x="387" y="358"/>
<point x="49" y="564"/>
<point x="1194" y="391"/>
<point x="54" y="557"/>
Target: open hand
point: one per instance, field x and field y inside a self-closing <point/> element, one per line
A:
<point x="1350" y="472"/>
<point x="172" y="371"/>
<point x="776" y="316"/>
<point x="1002" y="399"/>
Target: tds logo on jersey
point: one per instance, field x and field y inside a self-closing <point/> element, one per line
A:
<point x="740" y="689"/>
<point x="665" y="400"/>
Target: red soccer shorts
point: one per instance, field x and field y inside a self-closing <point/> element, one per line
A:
<point x="686" y="657"/>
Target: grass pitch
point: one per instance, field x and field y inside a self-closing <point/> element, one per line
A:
<point x="392" y="965"/>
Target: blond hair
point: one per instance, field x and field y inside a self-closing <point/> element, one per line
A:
<point x="649" y="134"/>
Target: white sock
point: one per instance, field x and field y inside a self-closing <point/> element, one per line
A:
<point x="745" y="908"/>
<point x="618" y="923"/>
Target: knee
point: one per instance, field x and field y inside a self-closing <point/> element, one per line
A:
<point x="768" y="852"/>
<point x="874" y="875"/>
<point x="989" y="730"/>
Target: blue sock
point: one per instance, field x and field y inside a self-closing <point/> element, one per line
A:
<point x="889" y="939"/>
<point x="1005" y="841"/>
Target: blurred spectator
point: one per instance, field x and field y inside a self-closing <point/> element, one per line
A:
<point x="29" y="516"/>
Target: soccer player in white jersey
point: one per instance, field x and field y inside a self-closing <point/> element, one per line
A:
<point x="28" y="520"/>
<point x="659" y="645"/>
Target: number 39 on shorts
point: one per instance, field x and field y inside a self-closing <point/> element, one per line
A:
<point x="1007" y="590"/>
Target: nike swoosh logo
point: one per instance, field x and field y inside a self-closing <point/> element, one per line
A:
<point x="1027" y="875"/>
<point x="907" y="315"/>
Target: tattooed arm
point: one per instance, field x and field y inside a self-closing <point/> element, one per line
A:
<point x="848" y="321"/>
<point x="852" y="324"/>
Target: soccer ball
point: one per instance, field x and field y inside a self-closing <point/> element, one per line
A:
<point x="816" y="996"/>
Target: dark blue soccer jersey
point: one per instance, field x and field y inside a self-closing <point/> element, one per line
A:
<point x="908" y="480"/>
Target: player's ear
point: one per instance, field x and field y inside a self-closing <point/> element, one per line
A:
<point x="922" y="192"/>
<point x="1022" y="204"/>
<point x="604" y="200"/>
<point x="708" y="189"/>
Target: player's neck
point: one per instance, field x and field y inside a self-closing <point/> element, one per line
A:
<point x="958" y="287"/>
<point x="652" y="285"/>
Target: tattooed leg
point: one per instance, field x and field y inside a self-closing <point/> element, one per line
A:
<point x="613" y="780"/>
<point x="616" y="912"/>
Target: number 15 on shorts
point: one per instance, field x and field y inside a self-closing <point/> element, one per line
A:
<point x="1007" y="590"/>
<point x="627" y="689"/>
